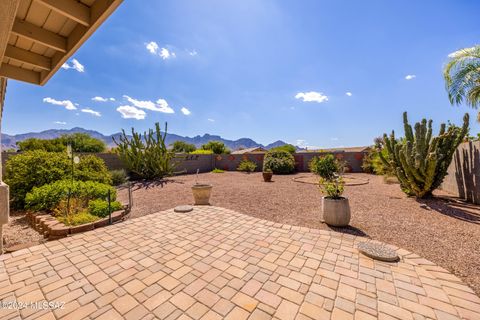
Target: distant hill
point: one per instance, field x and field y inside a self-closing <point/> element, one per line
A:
<point x="9" y="141"/>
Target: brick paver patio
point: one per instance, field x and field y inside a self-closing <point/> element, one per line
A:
<point x="214" y="263"/>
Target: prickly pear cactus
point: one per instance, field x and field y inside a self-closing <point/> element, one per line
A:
<point x="419" y="161"/>
<point x="146" y="156"/>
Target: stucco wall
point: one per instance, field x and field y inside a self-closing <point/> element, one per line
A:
<point x="463" y="179"/>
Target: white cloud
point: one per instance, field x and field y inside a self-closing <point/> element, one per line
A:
<point x="101" y="99"/>
<point x="60" y="122"/>
<point x="410" y="77"/>
<point x="334" y="139"/>
<point x="312" y="96"/>
<point x="348" y="93"/>
<point x="160" y="105"/>
<point x="93" y="112"/>
<point x="166" y="54"/>
<point x="192" y="52"/>
<point x="75" y="65"/>
<point x="185" y="111"/>
<point x="152" y="47"/>
<point x="65" y="103"/>
<point x="130" y="112"/>
<point x="211" y="120"/>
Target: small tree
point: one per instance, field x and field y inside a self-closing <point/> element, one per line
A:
<point x="329" y="170"/>
<point x="146" y="156"/>
<point x="217" y="147"/>
<point x="419" y="161"/>
<point x="83" y="142"/>
<point x="183" y="147"/>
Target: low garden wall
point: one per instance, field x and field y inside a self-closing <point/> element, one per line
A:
<point x="189" y="163"/>
<point x="463" y="179"/>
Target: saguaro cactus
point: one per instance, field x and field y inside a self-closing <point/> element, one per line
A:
<point x="419" y="161"/>
<point x="146" y="156"/>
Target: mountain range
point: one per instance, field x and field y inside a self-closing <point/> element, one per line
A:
<point x="9" y="141"/>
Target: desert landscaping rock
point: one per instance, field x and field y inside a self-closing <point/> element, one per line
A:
<point x="377" y="251"/>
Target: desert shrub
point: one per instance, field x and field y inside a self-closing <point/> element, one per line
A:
<point x="182" y="146"/>
<point x="201" y="151"/>
<point x="99" y="207"/>
<point x="247" y="166"/>
<point x="217" y="147"/>
<point x="218" y="170"/>
<point x="36" y="168"/>
<point x="147" y="156"/>
<point x="92" y="168"/>
<point x="76" y="219"/>
<point x="118" y="177"/>
<point x="81" y="142"/>
<point x="286" y="147"/>
<point x="326" y="166"/>
<point x="48" y="196"/>
<point x="280" y="162"/>
<point x="51" y="145"/>
<point x="33" y="169"/>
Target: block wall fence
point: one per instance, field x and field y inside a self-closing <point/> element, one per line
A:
<point x="463" y="179"/>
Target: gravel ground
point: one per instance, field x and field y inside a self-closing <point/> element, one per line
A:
<point x="443" y="230"/>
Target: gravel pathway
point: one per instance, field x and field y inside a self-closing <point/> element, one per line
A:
<point x="444" y="230"/>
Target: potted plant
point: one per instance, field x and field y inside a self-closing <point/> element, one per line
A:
<point x="267" y="175"/>
<point x="335" y="207"/>
<point x="201" y="192"/>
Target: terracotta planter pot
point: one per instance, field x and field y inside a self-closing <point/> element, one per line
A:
<point x="267" y="176"/>
<point x="336" y="212"/>
<point x="201" y="193"/>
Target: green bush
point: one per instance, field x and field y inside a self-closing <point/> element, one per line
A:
<point x="118" y="177"/>
<point x="77" y="219"/>
<point x="81" y="142"/>
<point x="51" y="145"/>
<point x="217" y="147"/>
<point x="37" y="168"/>
<point x="182" y="146"/>
<point x="280" y="162"/>
<point x="286" y="147"/>
<point x="201" y="151"/>
<point x="48" y="196"/>
<point x="218" y="170"/>
<point x="99" y="207"/>
<point x="92" y="168"/>
<point x="247" y="166"/>
<point x="326" y="167"/>
<point x="33" y="169"/>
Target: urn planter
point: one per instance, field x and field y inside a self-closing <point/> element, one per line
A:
<point x="267" y="176"/>
<point x="336" y="212"/>
<point x="201" y="193"/>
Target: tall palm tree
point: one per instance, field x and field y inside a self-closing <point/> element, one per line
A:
<point x="462" y="77"/>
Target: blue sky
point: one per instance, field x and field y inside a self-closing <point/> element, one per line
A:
<point x="316" y="73"/>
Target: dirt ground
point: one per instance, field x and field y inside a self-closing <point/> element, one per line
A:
<point x="443" y="229"/>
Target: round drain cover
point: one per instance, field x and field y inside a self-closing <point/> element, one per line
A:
<point x="185" y="208"/>
<point x="378" y="251"/>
